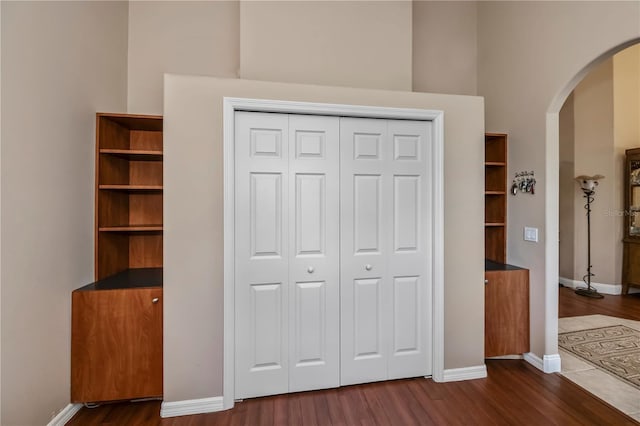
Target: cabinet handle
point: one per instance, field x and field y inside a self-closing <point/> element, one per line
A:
<point x="486" y="282"/>
<point x="310" y="269"/>
<point x="155" y="300"/>
<point x="368" y="267"/>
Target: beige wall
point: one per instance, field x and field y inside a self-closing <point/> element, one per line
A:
<point x="445" y="49"/>
<point x="61" y="62"/>
<point x="346" y="43"/>
<point x="594" y="154"/>
<point x="425" y="46"/>
<point x="529" y="54"/>
<point x="568" y="190"/>
<point x="188" y="37"/>
<point x="626" y="129"/>
<point x="193" y="195"/>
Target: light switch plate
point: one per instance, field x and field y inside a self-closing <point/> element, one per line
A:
<point x="531" y="234"/>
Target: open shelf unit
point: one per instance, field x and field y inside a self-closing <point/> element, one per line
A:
<point x="495" y="197"/>
<point x="128" y="231"/>
<point x="506" y="287"/>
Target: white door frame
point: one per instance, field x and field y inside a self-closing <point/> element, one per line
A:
<point x="230" y="105"/>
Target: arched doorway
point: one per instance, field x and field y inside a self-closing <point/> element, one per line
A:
<point x="552" y="202"/>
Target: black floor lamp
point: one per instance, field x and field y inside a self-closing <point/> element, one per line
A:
<point x="588" y="185"/>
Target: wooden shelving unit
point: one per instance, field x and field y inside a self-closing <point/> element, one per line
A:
<point x="506" y="288"/>
<point x="128" y="230"/>
<point x="116" y="321"/>
<point x="495" y="197"/>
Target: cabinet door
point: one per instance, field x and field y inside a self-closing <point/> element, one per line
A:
<point x="506" y="312"/>
<point x="116" y="344"/>
<point x="633" y="197"/>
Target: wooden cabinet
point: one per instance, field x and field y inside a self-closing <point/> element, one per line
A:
<point x="506" y="310"/>
<point x="116" y="337"/>
<point x="495" y="197"/>
<point x="128" y="224"/>
<point x="506" y="286"/>
<point x="631" y="232"/>
<point x="116" y="332"/>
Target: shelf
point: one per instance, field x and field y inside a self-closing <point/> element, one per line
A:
<point x="494" y="224"/>
<point x="490" y="265"/>
<point x="131" y="228"/>
<point x="127" y="279"/>
<point x="495" y="163"/>
<point x="148" y="123"/>
<point x="495" y="192"/>
<point x="132" y="188"/>
<point x="134" y="154"/>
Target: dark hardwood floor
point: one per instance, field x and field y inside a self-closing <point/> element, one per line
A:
<point x="514" y="393"/>
<point x="623" y="306"/>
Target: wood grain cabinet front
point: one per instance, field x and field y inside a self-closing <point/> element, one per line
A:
<point x="631" y="230"/>
<point x="116" y="344"/>
<point x="506" y="311"/>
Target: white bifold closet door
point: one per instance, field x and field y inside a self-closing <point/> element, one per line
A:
<point x="286" y="253"/>
<point x="385" y="249"/>
<point x="332" y="251"/>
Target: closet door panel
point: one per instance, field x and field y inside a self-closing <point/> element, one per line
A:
<point x="409" y="261"/>
<point x="365" y="243"/>
<point x="314" y="252"/>
<point x="333" y="251"/>
<point x="406" y="213"/>
<point x="406" y="315"/>
<point x="310" y="196"/>
<point x="265" y="210"/>
<point x="266" y="327"/>
<point x="367" y="214"/>
<point x="262" y="254"/>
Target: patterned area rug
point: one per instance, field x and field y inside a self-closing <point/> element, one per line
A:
<point x="614" y="349"/>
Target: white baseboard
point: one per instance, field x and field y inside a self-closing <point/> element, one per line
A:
<point x="65" y="415"/>
<point x="191" y="406"/>
<point x="534" y="360"/>
<point x="552" y="363"/>
<point x="613" y="289"/>
<point x="466" y="373"/>
<point x="548" y="363"/>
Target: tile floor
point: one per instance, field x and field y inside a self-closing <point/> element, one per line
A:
<point x="621" y="395"/>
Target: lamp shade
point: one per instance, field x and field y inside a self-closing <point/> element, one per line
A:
<point x="588" y="183"/>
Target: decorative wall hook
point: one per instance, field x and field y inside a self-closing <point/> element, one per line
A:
<point x="524" y="182"/>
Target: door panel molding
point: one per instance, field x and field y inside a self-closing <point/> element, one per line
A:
<point x="403" y="151"/>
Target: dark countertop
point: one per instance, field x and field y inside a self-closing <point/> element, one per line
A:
<point x="490" y="265"/>
<point x="129" y="278"/>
